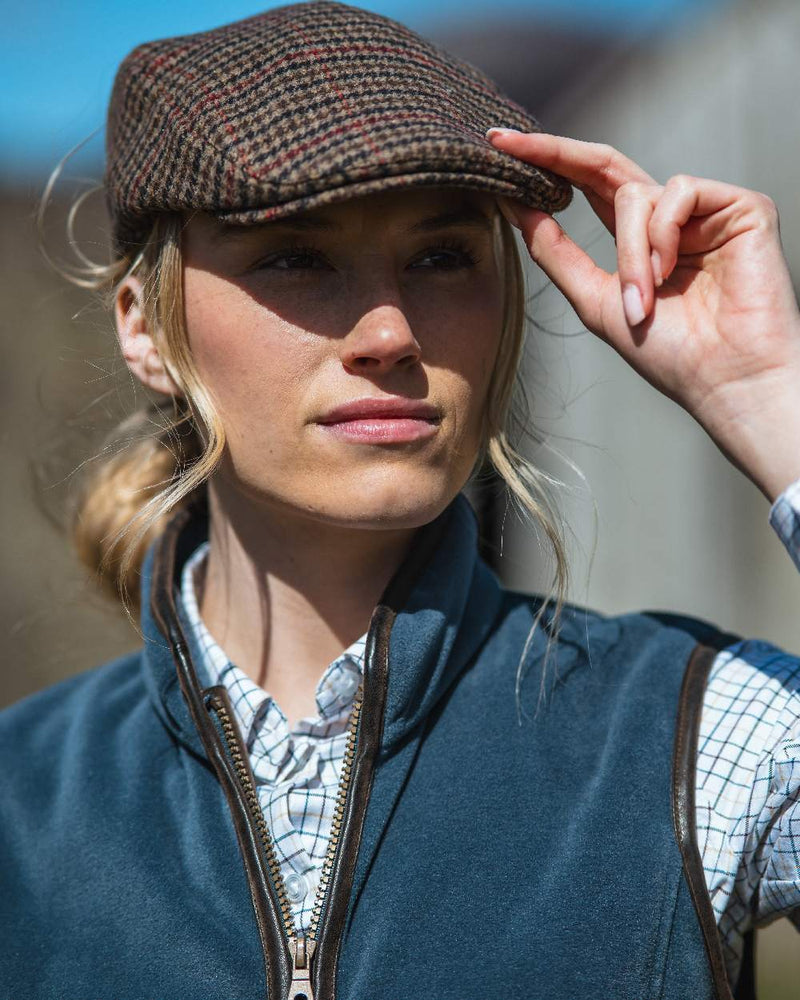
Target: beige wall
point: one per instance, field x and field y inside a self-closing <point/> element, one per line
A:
<point x="57" y="397"/>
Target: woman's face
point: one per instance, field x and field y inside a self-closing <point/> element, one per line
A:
<point x="390" y="305"/>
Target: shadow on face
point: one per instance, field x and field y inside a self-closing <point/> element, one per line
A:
<point x="397" y="294"/>
<point x="361" y="248"/>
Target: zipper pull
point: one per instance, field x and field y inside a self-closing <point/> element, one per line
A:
<point x="301" y="950"/>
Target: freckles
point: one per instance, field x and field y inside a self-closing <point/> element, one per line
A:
<point x="238" y="344"/>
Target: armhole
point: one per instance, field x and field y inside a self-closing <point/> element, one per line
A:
<point x="684" y="765"/>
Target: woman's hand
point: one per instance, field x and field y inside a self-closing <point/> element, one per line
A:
<point x="702" y="304"/>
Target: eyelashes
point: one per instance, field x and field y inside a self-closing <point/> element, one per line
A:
<point x="309" y="256"/>
<point x="454" y="254"/>
<point x="458" y="250"/>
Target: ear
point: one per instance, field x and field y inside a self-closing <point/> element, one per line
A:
<point x="135" y="340"/>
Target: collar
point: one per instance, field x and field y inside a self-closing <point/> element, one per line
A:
<point x="430" y="622"/>
<point x="335" y="688"/>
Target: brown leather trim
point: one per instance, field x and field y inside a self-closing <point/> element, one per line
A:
<point x="684" y="763"/>
<point x="376" y="682"/>
<point x="162" y="602"/>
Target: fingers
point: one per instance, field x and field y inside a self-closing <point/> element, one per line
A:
<point x="569" y="267"/>
<point x="620" y="193"/>
<point x="695" y="215"/>
<point x="557" y="254"/>
<point x="653" y="224"/>
<point x="594" y="166"/>
<point x="633" y="208"/>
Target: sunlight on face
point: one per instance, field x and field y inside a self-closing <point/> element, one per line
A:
<point x="395" y="297"/>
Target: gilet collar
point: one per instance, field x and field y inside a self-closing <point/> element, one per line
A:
<point x="431" y="620"/>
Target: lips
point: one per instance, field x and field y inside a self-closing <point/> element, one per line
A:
<point x="381" y="420"/>
<point x="380" y="408"/>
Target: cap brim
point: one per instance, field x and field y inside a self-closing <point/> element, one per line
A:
<point x="550" y="194"/>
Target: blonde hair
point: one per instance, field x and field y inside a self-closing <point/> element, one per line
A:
<point x="161" y="457"/>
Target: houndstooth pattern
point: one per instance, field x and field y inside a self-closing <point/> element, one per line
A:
<point x="300" y="106"/>
<point x="748" y="765"/>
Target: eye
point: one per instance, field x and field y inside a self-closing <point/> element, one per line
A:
<point x="448" y="255"/>
<point x="294" y="258"/>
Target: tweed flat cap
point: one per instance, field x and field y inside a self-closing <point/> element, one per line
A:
<point x="303" y="105"/>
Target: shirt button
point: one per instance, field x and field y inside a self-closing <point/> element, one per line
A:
<point x="296" y="887"/>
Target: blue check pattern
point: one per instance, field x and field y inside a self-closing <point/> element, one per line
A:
<point x="748" y="765"/>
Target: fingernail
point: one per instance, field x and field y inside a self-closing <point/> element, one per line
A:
<point x="496" y="130"/>
<point x="632" y="303"/>
<point x="658" y="274"/>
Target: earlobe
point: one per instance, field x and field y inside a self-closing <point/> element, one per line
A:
<point x="136" y="342"/>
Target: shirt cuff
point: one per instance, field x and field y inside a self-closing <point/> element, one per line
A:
<point x="784" y="516"/>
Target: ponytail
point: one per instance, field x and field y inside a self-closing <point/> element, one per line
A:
<point x="137" y="466"/>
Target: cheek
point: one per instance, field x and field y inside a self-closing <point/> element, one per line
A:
<point x="254" y="365"/>
<point x="250" y="360"/>
<point x="463" y="334"/>
<point x="265" y="374"/>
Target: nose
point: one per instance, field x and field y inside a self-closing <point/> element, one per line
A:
<point x="381" y="340"/>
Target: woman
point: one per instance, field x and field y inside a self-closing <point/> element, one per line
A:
<point x="314" y="262"/>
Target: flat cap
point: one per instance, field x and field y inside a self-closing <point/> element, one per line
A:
<point x="301" y="106"/>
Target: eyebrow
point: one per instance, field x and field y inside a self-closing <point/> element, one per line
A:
<point x="465" y="215"/>
<point x="462" y="216"/>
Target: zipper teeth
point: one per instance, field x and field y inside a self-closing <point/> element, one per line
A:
<point x="338" y="813"/>
<point x="254" y="805"/>
<point x="255" y="809"/>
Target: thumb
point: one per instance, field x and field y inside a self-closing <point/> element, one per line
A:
<point x="569" y="267"/>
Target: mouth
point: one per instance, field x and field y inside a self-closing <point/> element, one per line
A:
<point x="382" y="420"/>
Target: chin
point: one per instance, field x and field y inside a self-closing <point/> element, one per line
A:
<point x="395" y="502"/>
<point x="380" y="495"/>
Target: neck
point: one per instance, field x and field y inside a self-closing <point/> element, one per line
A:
<point x="283" y="594"/>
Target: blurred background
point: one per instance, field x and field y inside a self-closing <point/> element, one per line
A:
<point x="657" y="517"/>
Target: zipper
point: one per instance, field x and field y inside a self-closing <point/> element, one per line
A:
<point x="292" y="961"/>
<point x="300" y="947"/>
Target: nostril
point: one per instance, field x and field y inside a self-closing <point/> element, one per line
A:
<point x="363" y="362"/>
<point x="368" y="362"/>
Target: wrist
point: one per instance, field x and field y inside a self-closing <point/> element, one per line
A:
<point x="759" y="432"/>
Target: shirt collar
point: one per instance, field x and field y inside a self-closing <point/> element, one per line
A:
<point x="335" y="689"/>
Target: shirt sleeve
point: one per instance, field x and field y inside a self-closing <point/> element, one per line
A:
<point x="748" y="775"/>
<point x="784" y="516"/>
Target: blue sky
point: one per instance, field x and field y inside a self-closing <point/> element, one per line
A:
<point x="57" y="60"/>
